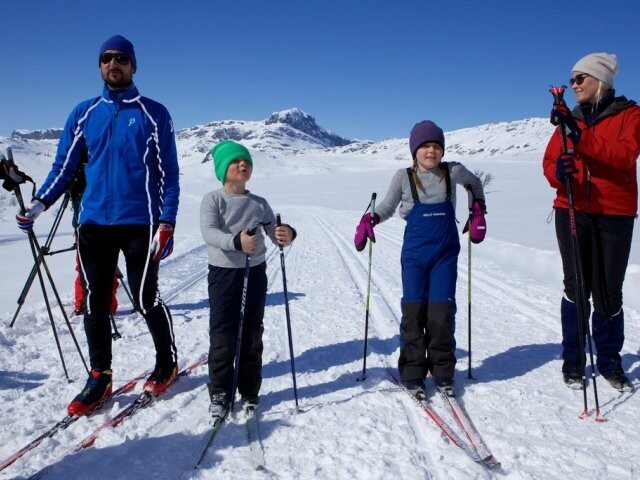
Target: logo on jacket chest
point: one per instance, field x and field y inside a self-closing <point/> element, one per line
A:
<point x="132" y="121"/>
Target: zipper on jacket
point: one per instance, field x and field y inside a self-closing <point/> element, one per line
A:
<point x="112" y="162"/>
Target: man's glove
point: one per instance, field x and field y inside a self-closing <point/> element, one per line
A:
<point x="561" y="114"/>
<point x="364" y="231"/>
<point x="162" y="244"/>
<point x="25" y="220"/>
<point x="476" y="224"/>
<point x="566" y="166"/>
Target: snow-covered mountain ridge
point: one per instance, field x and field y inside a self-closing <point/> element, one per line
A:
<point x="293" y="132"/>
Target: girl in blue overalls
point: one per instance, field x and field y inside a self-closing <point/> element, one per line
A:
<point x="429" y="255"/>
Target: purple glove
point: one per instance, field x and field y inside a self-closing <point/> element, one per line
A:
<point x="566" y="166"/>
<point x="364" y="230"/>
<point x="476" y="224"/>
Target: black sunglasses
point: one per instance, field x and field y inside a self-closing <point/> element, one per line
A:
<point x="578" y="79"/>
<point x="121" y="58"/>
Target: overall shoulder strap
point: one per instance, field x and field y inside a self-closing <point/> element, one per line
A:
<point x="412" y="184"/>
<point x="447" y="179"/>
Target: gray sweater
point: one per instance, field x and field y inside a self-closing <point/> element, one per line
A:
<point x="434" y="189"/>
<point x="223" y="215"/>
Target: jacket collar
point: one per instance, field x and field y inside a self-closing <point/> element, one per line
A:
<point x="610" y="105"/>
<point x="119" y="95"/>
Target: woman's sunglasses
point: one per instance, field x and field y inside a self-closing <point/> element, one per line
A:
<point x="578" y="79"/>
<point x="122" y="58"/>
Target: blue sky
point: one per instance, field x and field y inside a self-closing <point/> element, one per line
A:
<point x="364" y="69"/>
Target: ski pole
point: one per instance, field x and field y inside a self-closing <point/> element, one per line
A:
<point x="372" y="206"/>
<point x="469" y="376"/>
<point x="120" y="277"/>
<point x="34" y="250"/>
<point x="286" y="309"/>
<point x="245" y="283"/>
<point x="42" y="252"/>
<point x="583" y="321"/>
<point x="115" y="334"/>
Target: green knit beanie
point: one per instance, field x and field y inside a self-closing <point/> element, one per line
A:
<point x="226" y="152"/>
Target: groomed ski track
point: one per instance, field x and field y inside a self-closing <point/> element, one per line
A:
<point x="348" y="429"/>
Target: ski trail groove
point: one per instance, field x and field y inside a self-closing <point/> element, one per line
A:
<point x="349" y="259"/>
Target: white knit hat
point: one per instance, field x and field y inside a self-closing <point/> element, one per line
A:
<point x="602" y="66"/>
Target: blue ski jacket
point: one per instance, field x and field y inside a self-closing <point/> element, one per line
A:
<point x="128" y="146"/>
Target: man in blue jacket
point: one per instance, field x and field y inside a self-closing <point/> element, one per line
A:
<point x="127" y="145"/>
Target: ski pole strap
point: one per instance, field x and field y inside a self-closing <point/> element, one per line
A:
<point x="368" y="207"/>
<point x="412" y="183"/>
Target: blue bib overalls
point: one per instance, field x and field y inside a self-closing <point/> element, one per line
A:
<point x="429" y="262"/>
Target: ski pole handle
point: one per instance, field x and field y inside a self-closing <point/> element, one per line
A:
<point x="558" y="93"/>
<point x="373" y="208"/>
<point x="558" y="97"/>
<point x="278" y="224"/>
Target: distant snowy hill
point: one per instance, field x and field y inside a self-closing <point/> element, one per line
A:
<point x="292" y="132"/>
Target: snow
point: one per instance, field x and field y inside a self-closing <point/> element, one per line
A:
<point x="347" y="428"/>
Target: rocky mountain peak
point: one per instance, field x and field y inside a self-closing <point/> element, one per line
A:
<point x="305" y="123"/>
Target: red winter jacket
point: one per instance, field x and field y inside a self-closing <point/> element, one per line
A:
<point x="606" y="182"/>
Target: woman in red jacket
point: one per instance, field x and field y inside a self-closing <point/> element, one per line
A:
<point x="603" y="143"/>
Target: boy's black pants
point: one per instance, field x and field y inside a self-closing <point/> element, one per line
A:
<point x="225" y="299"/>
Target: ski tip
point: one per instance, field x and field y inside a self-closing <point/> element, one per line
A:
<point x="493" y="464"/>
<point x="497" y="468"/>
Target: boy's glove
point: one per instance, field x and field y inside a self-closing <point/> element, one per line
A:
<point x="566" y="166"/>
<point x="25" y="220"/>
<point x="476" y="224"/>
<point x="162" y="244"/>
<point x="364" y="230"/>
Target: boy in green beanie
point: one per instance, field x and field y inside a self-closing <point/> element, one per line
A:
<point x="233" y="222"/>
